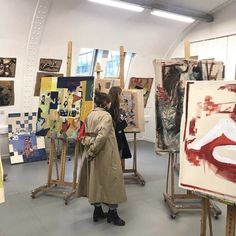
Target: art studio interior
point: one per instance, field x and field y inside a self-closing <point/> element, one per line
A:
<point x="117" y="117"/>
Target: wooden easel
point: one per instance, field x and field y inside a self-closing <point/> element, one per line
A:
<point x="230" y="218"/>
<point x="170" y="197"/>
<point x="134" y="176"/>
<point x="59" y="187"/>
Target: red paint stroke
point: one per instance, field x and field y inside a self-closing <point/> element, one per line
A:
<point x="229" y="87"/>
<point x="225" y="170"/>
<point x="192" y="127"/>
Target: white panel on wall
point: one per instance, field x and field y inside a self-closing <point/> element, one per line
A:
<point x="231" y="58"/>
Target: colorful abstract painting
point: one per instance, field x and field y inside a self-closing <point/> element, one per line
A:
<point x="142" y="83"/>
<point x="50" y="65"/>
<point x="132" y="109"/>
<point x="7" y="67"/>
<point x="104" y="85"/>
<point x="24" y="145"/>
<point x="208" y="139"/>
<point x="2" y="197"/>
<point x="65" y="102"/>
<point x="40" y="75"/>
<point x="6" y="93"/>
<point x="171" y="76"/>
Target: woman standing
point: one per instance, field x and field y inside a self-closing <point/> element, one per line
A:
<point x="101" y="177"/>
<point x="119" y="123"/>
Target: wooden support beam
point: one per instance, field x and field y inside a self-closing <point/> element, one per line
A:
<point x="69" y="58"/>
<point x="122" y="67"/>
<point x="187" y="49"/>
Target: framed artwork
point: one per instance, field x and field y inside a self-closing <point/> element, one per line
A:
<point x="7" y="93"/>
<point x="132" y="108"/>
<point x="104" y="85"/>
<point x="171" y="76"/>
<point x="65" y="102"/>
<point x="40" y="75"/>
<point x="7" y="67"/>
<point x="50" y="65"/>
<point x="208" y="139"/>
<point x="2" y="197"/>
<point x="24" y="145"/>
<point x="142" y="83"/>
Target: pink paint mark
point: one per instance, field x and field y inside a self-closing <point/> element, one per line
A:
<point x="225" y="170"/>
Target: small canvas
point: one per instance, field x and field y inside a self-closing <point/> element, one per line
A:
<point x="208" y="139"/>
<point x="65" y="102"/>
<point x="171" y="76"/>
<point x="24" y="145"/>
<point x="7" y="93"/>
<point x="50" y="65"/>
<point x="142" y="83"/>
<point x="40" y="75"/>
<point x="104" y="85"/>
<point x="132" y="109"/>
<point x="2" y="197"/>
<point x="7" y="67"/>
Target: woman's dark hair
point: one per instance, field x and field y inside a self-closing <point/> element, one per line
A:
<point x="114" y="93"/>
<point x="101" y="99"/>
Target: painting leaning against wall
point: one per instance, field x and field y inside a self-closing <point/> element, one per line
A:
<point x="208" y="139"/>
<point x="7" y="67"/>
<point x="6" y="93"/>
<point x="142" y="83"/>
<point x="171" y="76"/>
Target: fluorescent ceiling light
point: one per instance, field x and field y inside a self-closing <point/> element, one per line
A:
<point x="119" y="4"/>
<point x="172" y="16"/>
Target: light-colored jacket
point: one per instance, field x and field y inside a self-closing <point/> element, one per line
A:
<point x="101" y="177"/>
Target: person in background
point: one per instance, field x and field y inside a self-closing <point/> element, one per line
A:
<point x="101" y="178"/>
<point x="119" y="122"/>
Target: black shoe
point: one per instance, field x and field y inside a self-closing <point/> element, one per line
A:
<point x="98" y="214"/>
<point x="4" y="177"/>
<point x="112" y="217"/>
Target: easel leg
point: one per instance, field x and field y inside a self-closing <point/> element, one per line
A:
<point x="172" y="176"/>
<point x="203" y="217"/>
<point x="135" y="154"/>
<point x="168" y="174"/>
<point x="63" y="161"/>
<point x="51" y="158"/>
<point x="230" y="220"/>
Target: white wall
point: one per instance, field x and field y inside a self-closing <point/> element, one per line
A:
<point x="222" y="49"/>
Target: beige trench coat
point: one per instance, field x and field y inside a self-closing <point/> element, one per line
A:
<point x="101" y="179"/>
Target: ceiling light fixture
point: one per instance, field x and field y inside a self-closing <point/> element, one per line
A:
<point x="119" y="4"/>
<point x="172" y="16"/>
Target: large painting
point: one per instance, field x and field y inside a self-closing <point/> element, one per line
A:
<point x="208" y="139"/>
<point x="6" y="93"/>
<point x="7" y="67"/>
<point x="50" y="65"/>
<point x="24" y="145"/>
<point x="132" y="109"/>
<point x="2" y="198"/>
<point x="142" y="83"/>
<point x="40" y="75"/>
<point x="65" y="102"/>
<point x="104" y="85"/>
<point x="171" y="76"/>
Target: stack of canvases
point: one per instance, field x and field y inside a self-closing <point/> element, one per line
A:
<point x="171" y="76"/>
<point x="65" y="102"/>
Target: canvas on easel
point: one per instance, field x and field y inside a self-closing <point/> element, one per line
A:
<point x="142" y="83"/>
<point x="104" y="85"/>
<point x="171" y="76"/>
<point x="64" y="103"/>
<point x="208" y="139"/>
<point x="132" y="109"/>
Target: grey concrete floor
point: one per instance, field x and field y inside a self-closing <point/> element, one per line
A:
<point x="145" y="211"/>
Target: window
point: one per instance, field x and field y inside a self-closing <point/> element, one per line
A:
<point x="109" y="61"/>
<point x="86" y="60"/>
